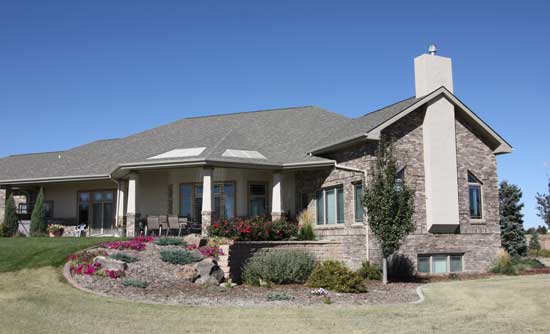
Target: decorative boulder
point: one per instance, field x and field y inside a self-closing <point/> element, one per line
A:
<point x="188" y="273"/>
<point x="111" y="264"/>
<point x="210" y="272"/>
<point x="195" y="239"/>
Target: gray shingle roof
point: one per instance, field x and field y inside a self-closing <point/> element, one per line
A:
<point x="283" y="136"/>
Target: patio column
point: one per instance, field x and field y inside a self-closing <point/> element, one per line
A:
<point x="131" y="215"/>
<point x="121" y="193"/>
<point x="3" y="199"/>
<point x="277" y="200"/>
<point x="207" y="192"/>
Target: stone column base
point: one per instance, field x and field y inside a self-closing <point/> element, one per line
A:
<point x="131" y="224"/>
<point x="206" y="221"/>
<point x="276" y="216"/>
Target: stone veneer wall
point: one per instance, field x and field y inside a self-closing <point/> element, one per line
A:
<point x="478" y="241"/>
<point x="241" y="251"/>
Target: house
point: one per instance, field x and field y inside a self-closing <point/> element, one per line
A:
<point x="279" y="162"/>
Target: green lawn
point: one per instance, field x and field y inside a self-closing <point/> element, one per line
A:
<point x="40" y="301"/>
<point x="21" y="253"/>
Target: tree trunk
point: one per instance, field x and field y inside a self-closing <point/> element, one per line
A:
<point x="385" y="271"/>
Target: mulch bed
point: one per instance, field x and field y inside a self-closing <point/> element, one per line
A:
<point x="165" y="287"/>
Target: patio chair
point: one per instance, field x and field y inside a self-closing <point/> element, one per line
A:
<point x="153" y="224"/>
<point x="182" y="222"/>
<point x="163" y="222"/>
<point x="172" y="223"/>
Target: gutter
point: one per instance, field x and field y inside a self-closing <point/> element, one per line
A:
<point x="56" y="179"/>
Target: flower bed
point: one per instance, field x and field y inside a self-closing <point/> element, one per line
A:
<point x="207" y="251"/>
<point x="255" y="229"/>
<point x="137" y="243"/>
<point x="83" y="264"/>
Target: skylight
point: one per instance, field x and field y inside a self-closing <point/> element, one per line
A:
<point x="180" y="153"/>
<point x="243" y="154"/>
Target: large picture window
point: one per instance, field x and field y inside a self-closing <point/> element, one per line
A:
<point x="223" y="204"/>
<point x="330" y="206"/>
<point x="475" y="200"/>
<point x="439" y="263"/>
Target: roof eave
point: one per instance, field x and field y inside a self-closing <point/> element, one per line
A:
<point x="55" y="179"/>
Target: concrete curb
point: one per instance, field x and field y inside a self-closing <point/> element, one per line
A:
<point x="421" y="297"/>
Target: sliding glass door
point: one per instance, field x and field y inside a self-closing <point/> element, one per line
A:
<point x="96" y="209"/>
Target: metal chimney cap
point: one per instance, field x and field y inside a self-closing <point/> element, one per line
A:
<point x="432" y="49"/>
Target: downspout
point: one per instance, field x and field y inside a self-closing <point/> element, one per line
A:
<point x="364" y="172"/>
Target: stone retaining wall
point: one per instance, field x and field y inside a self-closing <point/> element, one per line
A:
<point x="241" y="251"/>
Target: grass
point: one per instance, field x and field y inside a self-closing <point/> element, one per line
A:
<point x="40" y="301"/>
<point x="27" y="253"/>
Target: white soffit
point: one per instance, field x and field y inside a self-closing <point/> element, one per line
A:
<point x="243" y="154"/>
<point x="180" y="153"/>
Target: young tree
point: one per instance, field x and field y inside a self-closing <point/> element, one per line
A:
<point x="542" y="230"/>
<point x="10" y="217"/>
<point x="512" y="234"/>
<point x="543" y="205"/>
<point x="39" y="225"/>
<point x="390" y="206"/>
<point x="534" y="243"/>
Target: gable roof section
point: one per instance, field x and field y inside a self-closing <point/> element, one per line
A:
<point x="370" y="127"/>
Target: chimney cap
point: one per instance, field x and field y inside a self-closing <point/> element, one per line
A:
<point x="432" y="49"/>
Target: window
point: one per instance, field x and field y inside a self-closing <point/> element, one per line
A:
<point x="330" y="206"/>
<point x="358" y="197"/>
<point x="400" y="179"/>
<point x="223" y="204"/>
<point x="474" y="190"/>
<point x="48" y="207"/>
<point x="439" y="263"/>
<point x="423" y="264"/>
<point x="257" y="199"/>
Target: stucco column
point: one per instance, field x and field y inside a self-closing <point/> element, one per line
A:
<point x="131" y="215"/>
<point x="121" y="193"/>
<point x="207" y="195"/>
<point x="3" y="199"/>
<point x="276" y="197"/>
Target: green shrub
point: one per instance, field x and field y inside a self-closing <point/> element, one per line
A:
<point x="39" y="225"/>
<point x="274" y="296"/>
<point x="540" y="252"/>
<point x="179" y="256"/>
<point x="123" y="257"/>
<point x="10" y="217"/>
<point x="281" y="267"/>
<point x="135" y="283"/>
<point x="526" y="263"/>
<point x="3" y="231"/>
<point x="504" y="265"/>
<point x="335" y="276"/>
<point x="369" y="271"/>
<point x="166" y="241"/>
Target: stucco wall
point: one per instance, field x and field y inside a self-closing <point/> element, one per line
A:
<point x="64" y="196"/>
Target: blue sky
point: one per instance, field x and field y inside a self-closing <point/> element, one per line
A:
<point x="76" y="71"/>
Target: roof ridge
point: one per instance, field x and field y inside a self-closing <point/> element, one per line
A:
<point x="33" y="153"/>
<point x="249" y="112"/>
<point x="388" y="106"/>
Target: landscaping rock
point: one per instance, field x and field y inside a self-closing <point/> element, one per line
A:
<point x="210" y="272"/>
<point x="195" y="239"/>
<point x="111" y="264"/>
<point x="188" y="273"/>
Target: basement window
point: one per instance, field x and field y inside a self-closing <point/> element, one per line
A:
<point x="439" y="263"/>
